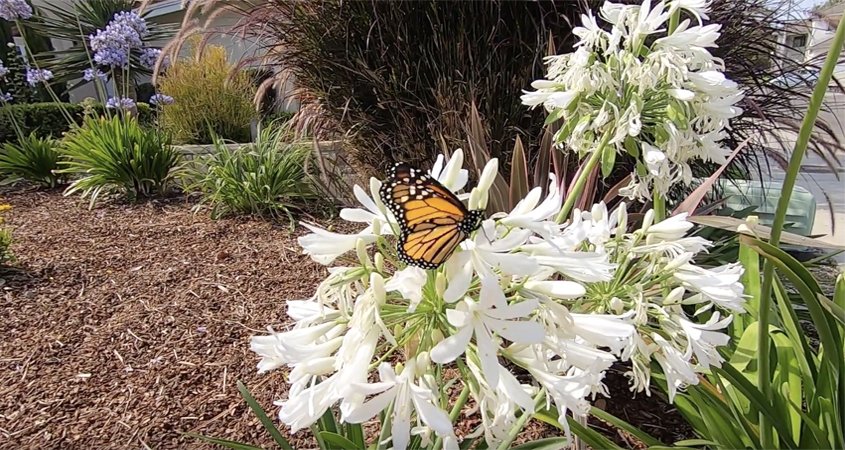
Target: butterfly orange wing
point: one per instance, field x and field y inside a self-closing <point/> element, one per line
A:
<point x="430" y="216"/>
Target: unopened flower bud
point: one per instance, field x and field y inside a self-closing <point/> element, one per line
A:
<point x="616" y="305"/>
<point x="648" y="219"/>
<point x="440" y="284"/>
<point x="675" y="296"/>
<point x="379" y="261"/>
<point x="376" y="226"/>
<point x="423" y="361"/>
<point x="361" y="250"/>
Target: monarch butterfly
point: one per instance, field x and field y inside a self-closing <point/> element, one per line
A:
<point x="432" y="220"/>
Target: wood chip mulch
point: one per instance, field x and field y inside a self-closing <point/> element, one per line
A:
<point x="127" y="326"/>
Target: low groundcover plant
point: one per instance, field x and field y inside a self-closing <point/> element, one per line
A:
<point x="526" y="315"/>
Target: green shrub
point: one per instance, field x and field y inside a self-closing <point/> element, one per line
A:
<point x="5" y="237"/>
<point x="32" y="159"/>
<point x="267" y="178"/>
<point x="118" y="155"/>
<point x="209" y="99"/>
<point x="47" y="121"/>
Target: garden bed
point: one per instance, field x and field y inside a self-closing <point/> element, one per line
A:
<point x="129" y="325"/>
<point x="126" y="326"/>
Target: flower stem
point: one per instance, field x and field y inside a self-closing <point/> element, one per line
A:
<point x="586" y="171"/>
<point x="453" y="415"/>
<point x="659" y="202"/>
<point x="31" y="54"/>
<point x="764" y="343"/>
<point x="520" y="423"/>
<point x="674" y="20"/>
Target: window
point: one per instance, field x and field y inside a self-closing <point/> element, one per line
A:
<point x="799" y="41"/>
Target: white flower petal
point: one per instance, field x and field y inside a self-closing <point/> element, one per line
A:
<point x="450" y="348"/>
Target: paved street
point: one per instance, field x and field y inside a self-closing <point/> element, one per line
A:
<point x="827" y="185"/>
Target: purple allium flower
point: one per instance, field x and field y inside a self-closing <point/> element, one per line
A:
<point x="161" y="99"/>
<point x="5" y="97"/>
<point x="123" y="103"/>
<point x="115" y="57"/>
<point x="91" y="74"/>
<point x="111" y="45"/>
<point x="35" y="76"/>
<point x="132" y="20"/>
<point x="3" y="70"/>
<point x="15" y="9"/>
<point x="149" y="57"/>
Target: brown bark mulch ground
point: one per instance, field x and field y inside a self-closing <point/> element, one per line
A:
<point x="127" y="326"/>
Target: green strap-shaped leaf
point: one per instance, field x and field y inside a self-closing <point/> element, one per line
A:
<point x="224" y="442"/>
<point x="646" y="438"/>
<point x="592" y="437"/>
<point x="336" y="441"/>
<point x="759" y="400"/>
<point x="262" y="416"/>
<point x="554" y="443"/>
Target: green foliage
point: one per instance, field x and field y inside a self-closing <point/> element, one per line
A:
<point x="266" y="178"/>
<point x="32" y="159"/>
<point x="5" y="237"/>
<point x="47" y="121"/>
<point x="805" y="400"/>
<point x="210" y="98"/>
<point x="118" y="155"/>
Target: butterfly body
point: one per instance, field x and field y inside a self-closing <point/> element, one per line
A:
<point x="432" y="220"/>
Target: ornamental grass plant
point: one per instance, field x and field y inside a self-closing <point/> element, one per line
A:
<point x="209" y="100"/>
<point x="117" y="155"/>
<point x="266" y="178"/>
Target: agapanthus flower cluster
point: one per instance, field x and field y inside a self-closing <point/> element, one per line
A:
<point x="112" y="45"/>
<point x="680" y="310"/>
<point x="120" y="103"/>
<point x="638" y="88"/>
<point x="35" y="76"/>
<point x="161" y="99"/>
<point x="149" y="56"/>
<point x="94" y="74"/>
<point x="6" y="97"/>
<point x="517" y="315"/>
<point x="12" y="10"/>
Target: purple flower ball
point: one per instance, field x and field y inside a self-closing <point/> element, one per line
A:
<point x="35" y="76"/>
<point x="121" y="103"/>
<point x="92" y="74"/>
<point x="12" y="10"/>
<point x="161" y="99"/>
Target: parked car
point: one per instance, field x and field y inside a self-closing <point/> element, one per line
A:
<point x="806" y="78"/>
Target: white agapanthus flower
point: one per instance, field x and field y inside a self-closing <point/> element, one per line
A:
<point x="655" y="277"/>
<point x="641" y="89"/>
<point x="522" y="298"/>
<point x="487" y="304"/>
